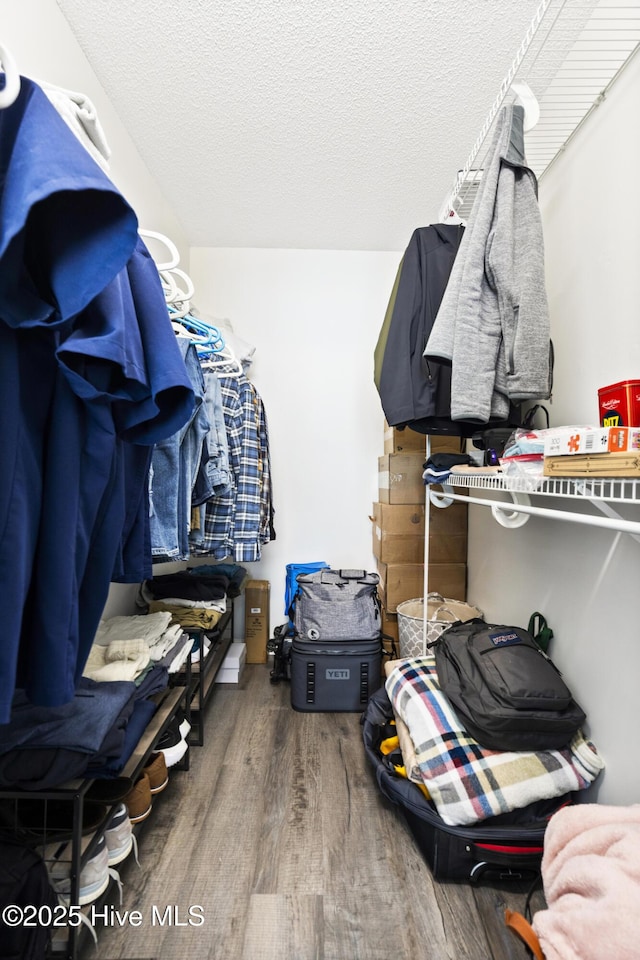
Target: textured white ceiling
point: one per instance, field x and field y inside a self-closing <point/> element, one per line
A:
<point x="302" y="123"/>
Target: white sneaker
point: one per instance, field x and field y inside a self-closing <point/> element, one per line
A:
<point x="172" y="744"/>
<point x="206" y="646"/>
<point x="119" y="836"/>
<point x="94" y="877"/>
<point x="183" y="724"/>
<point x="175" y="752"/>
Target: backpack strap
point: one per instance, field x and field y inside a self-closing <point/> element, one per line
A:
<point x="540" y="631"/>
<point x="523" y="930"/>
<point x="392" y="653"/>
<point x="530" y="416"/>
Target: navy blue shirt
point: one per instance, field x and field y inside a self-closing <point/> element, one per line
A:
<point x="81" y="382"/>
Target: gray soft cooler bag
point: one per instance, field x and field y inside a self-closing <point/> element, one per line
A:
<point x="337" y="605"/>
<point x="334" y="676"/>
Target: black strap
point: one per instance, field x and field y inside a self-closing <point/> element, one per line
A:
<point x="393" y="653"/>
<point x="530" y="416"/>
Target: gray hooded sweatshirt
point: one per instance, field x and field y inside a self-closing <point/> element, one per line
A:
<point x="493" y="322"/>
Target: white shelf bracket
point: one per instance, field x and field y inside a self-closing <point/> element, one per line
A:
<point x="503" y="513"/>
<point x="512" y="518"/>
<point x="605" y="508"/>
<point x="439" y="499"/>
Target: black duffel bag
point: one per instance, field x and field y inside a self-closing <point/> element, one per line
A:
<point x="507" y="847"/>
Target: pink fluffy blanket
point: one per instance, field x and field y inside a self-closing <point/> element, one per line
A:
<point x="591" y="877"/>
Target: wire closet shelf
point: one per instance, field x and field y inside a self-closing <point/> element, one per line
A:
<point x="611" y="489"/>
<point x="572" y="53"/>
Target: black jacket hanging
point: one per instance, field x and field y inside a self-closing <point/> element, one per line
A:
<point x="414" y="393"/>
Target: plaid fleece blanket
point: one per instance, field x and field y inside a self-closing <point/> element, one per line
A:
<point x="467" y="782"/>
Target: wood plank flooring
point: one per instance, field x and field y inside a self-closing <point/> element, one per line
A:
<point x="279" y="835"/>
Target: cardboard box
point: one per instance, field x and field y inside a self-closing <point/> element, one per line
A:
<point x="571" y="441"/>
<point x="449" y="521"/>
<point x="407" y="519"/>
<point x="594" y="465"/>
<point x="400" y="478"/>
<point x="405" y="581"/>
<point x="403" y="441"/>
<point x="398" y="533"/>
<point x="233" y="664"/>
<point x="408" y="441"/>
<point x="256" y="620"/>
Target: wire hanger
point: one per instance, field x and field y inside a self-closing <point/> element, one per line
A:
<point x="11" y="79"/>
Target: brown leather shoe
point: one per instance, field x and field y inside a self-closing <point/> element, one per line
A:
<point x="138" y="800"/>
<point x="156" y="770"/>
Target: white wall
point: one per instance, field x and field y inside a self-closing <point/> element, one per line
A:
<point x="584" y="580"/>
<point x="41" y="42"/>
<point x="314" y="317"/>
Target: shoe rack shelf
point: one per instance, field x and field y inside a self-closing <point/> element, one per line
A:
<point x="203" y="673"/>
<point x="66" y="942"/>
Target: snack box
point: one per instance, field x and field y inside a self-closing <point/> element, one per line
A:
<point x="563" y="442"/>
<point x="619" y="404"/>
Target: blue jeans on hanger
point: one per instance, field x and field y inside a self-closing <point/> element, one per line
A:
<point x="174" y="467"/>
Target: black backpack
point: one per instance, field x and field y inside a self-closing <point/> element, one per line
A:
<point x="24" y="882"/>
<point x="505" y="689"/>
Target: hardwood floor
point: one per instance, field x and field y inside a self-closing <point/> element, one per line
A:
<point x="279" y="836"/>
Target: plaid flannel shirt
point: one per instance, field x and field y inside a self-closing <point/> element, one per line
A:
<point x="235" y="521"/>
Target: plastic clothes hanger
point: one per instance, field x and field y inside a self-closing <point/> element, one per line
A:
<point x="206" y="336"/>
<point x="169" y="287"/>
<point x="527" y="99"/>
<point x="176" y="298"/>
<point x="11" y="79"/>
<point x="171" y="247"/>
<point x="225" y="363"/>
<point x="453" y="217"/>
<point x="177" y="295"/>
